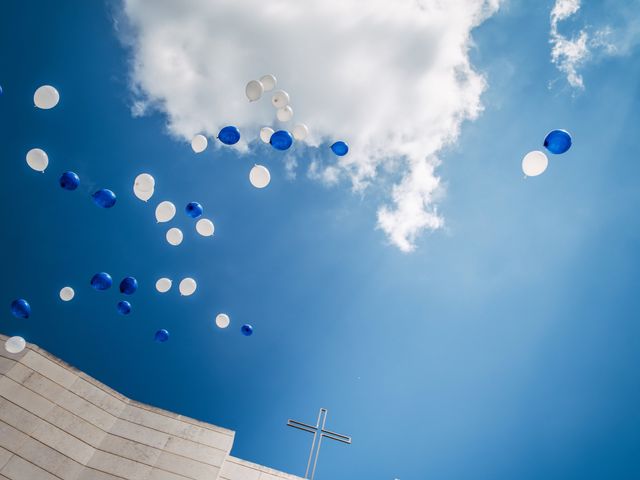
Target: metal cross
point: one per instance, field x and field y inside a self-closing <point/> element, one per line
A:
<point x="318" y="432"/>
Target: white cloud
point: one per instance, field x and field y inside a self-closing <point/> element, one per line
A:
<point x="568" y="54"/>
<point x="392" y="78"/>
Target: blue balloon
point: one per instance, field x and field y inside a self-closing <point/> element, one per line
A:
<point x="20" y="308"/>
<point x="101" y="281"/>
<point x="229" y="135"/>
<point x="281" y="140"/>
<point x="104" y="198"/>
<point x="162" y="335"/>
<point x="124" y="307"/>
<point x="128" y="285"/>
<point x="340" y="148"/>
<point x="557" y="141"/>
<point x="246" y="330"/>
<point x="1" y="91"/>
<point x="69" y="180"/>
<point x="194" y="209"/>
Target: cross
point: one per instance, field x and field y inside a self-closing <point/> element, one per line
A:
<point x="318" y="429"/>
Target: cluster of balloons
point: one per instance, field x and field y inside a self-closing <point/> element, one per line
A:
<point x="186" y="287"/>
<point x="223" y="321"/>
<point x="535" y="163"/>
<point x="102" y="281"/>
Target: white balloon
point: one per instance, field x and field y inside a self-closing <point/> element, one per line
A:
<point x="165" y="211"/>
<point x="174" y="236"/>
<point x="222" y="320"/>
<point x="254" y="90"/>
<point x="144" y="186"/>
<point x="205" y="227"/>
<point x="187" y="286"/>
<point x="163" y="285"/>
<point x="300" y="131"/>
<point x="144" y="196"/>
<point x="280" y="99"/>
<point x="268" y="82"/>
<point x="15" y="344"/>
<point x="285" y="114"/>
<point x="199" y="143"/>
<point x="534" y="163"/>
<point x="259" y="176"/>
<point x="265" y="134"/>
<point x="46" y="97"/>
<point x="67" y="294"/>
<point x="37" y="159"/>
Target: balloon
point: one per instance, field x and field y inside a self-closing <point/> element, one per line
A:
<point x="15" y="344"/>
<point x="128" y="285"/>
<point x="265" y="134"/>
<point x="285" y="114"/>
<point x="165" y="211"/>
<point x="268" y="82"/>
<point x="222" y="320"/>
<point x="46" y="97"/>
<point x="229" y="135"/>
<point x="340" y="148"/>
<point x="67" y="294"/>
<point x="254" y="90"/>
<point x="199" y="143"/>
<point x="205" y="227"/>
<point x="161" y="336"/>
<point x="300" y="131"/>
<point x="1" y="91"/>
<point x="557" y="141"/>
<point x="20" y="308"/>
<point x="143" y="186"/>
<point x="280" y="99"/>
<point x="174" y="236"/>
<point x="163" y="285"/>
<point x="534" y="163"/>
<point x="69" y="180"/>
<point x="193" y="209"/>
<point x="259" y="176"/>
<point x="104" y="198"/>
<point x="187" y="286"/>
<point x="101" y="281"/>
<point x="37" y="159"/>
<point x="281" y="140"/>
<point x="123" y="307"/>
<point x="246" y="330"/>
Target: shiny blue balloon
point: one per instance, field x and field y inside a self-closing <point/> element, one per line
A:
<point x="281" y="140"/>
<point x="128" y="285"/>
<point x="557" y="141"/>
<point x="229" y="135"/>
<point x="20" y="308"/>
<point x="161" y="336"/>
<point x="101" y="281"/>
<point x="69" y="180"/>
<point x="124" y="307"/>
<point x="104" y="198"/>
<point x="194" y="209"/>
<point x="340" y="148"/>
<point x="246" y="330"/>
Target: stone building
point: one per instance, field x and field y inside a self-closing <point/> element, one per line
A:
<point x="59" y="423"/>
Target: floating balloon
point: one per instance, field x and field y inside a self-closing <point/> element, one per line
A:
<point x="163" y="285"/>
<point x="259" y="176"/>
<point x="46" y="97"/>
<point x="104" y="198"/>
<point x="193" y="209"/>
<point x="265" y="134"/>
<point x="128" y="285"/>
<point x="281" y="140"/>
<point x="229" y="135"/>
<point x="101" y="281"/>
<point x="300" y="131"/>
<point x="69" y="180"/>
<point x="280" y="99"/>
<point x="254" y="90"/>
<point x="1" y="91"/>
<point x="20" y="308"/>
<point x="165" y="211"/>
<point x="174" y="236"/>
<point x="340" y="148"/>
<point x="123" y="307"/>
<point x="187" y="286"/>
<point x="557" y="141"/>
<point x="205" y="227"/>
<point x="285" y="114"/>
<point x="67" y="294"/>
<point x="199" y="143"/>
<point x="161" y="336"/>
<point x="268" y="82"/>
<point x="143" y="186"/>
<point x="534" y="163"/>
<point x="15" y="344"/>
<point x="37" y="159"/>
<point x="222" y="320"/>
<point x="246" y="330"/>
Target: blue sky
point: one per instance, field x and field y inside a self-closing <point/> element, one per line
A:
<point x="505" y="345"/>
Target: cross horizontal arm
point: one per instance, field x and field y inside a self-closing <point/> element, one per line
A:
<point x="302" y="426"/>
<point x="336" y="436"/>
